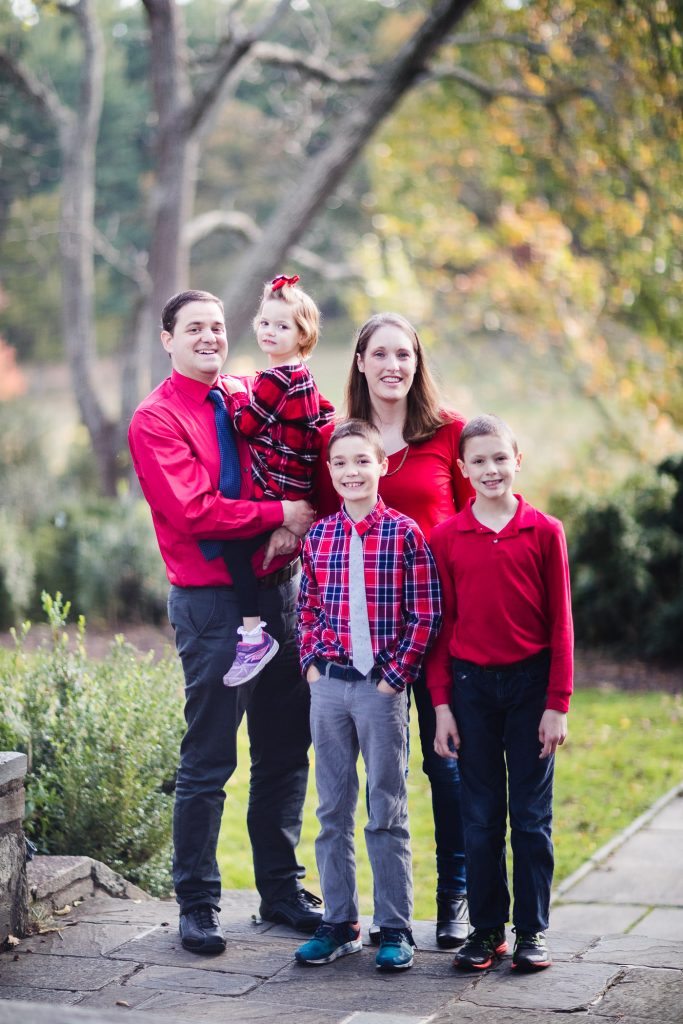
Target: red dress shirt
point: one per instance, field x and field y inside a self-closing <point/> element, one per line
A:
<point x="506" y="597"/>
<point x="174" y="445"/>
<point x="401" y="585"/>
<point x="282" y="421"/>
<point x="424" y="482"/>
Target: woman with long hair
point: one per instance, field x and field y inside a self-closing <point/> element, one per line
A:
<point x="390" y="385"/>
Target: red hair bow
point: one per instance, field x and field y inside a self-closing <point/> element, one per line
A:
<point x="281" y="280"/>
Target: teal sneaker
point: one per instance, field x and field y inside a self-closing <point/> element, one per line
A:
<point x="329" y="942"/>
<point x="396" y="947"/>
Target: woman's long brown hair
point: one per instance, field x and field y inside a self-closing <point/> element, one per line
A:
<point x="424" y="414"/>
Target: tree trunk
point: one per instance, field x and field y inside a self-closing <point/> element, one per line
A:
<point x="176" y="160"/>
<point x="297" y="209"/>
<point x="78" y="132"/>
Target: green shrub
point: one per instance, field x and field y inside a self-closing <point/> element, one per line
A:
<point x="102" y="552"/>
<point x="17" y="571"/>
<point x="626" y="558"/>
<point x="102" y="739"/>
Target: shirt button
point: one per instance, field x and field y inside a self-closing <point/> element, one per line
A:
<point x="495" y="540"/>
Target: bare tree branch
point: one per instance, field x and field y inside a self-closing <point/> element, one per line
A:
<point x="230" y="54"/>
<point x="316" y="67"/>
<point x="133" y="269"/>
<point x="489" y="92"/>
<point x="514" y="39"/>
<point x="207" y="224"/>
<point x="41" y="95"/>
<point x="328" y="271"/>
<point x="353" y="130"/>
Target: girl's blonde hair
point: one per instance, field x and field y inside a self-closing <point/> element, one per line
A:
<point x="304" y="310"/>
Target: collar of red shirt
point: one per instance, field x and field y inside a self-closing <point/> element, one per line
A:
<point x="196" y="389"/>
<point x="523" y="519"/>
<point x="363" y="525"/>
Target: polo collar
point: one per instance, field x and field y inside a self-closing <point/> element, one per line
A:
<point x="525" y="518"/>
<point x="363" y="525"/>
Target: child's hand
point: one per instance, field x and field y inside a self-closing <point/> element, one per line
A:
<point x="232" y="385"/>
<point x="552" y="732"/>
<point x="384" y="687"/>
<point x="447" y="739"/>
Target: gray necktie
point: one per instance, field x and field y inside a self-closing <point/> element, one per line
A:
<point x="361" y="644"/>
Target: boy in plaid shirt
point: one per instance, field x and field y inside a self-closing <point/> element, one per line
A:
<point x="281" y="420"/>
<point x="369" y="607"/>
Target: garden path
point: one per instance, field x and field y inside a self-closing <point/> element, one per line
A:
<point x="616" y="936"/>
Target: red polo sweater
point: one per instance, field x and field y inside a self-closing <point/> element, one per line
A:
<point x="506" y="597"/>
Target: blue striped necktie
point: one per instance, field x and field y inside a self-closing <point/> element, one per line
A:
<point x="230" y="479"/>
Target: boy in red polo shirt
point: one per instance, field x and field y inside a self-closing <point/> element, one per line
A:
<point x="502" y="670"/>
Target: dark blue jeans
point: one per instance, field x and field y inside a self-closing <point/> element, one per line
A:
<point x="205" y="621"/>
<point x="498" y="712"/>
<point x="444" y="777"/>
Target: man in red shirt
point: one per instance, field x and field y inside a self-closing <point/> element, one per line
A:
<point x="175" y="447"/>
<point x="500" y="678"/>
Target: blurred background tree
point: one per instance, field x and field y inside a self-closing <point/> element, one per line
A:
<point x="506" y="173"/>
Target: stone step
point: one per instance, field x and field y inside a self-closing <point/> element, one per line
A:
<point x="55" y="882"/>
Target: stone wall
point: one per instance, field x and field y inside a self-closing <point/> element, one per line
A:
<point x="13" y="886"/>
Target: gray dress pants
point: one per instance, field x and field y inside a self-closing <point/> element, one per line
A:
<point x="348" y="717"/>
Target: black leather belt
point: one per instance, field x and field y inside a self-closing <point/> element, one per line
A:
<point x="274" y="579"/>
<point x="347" y="673"/>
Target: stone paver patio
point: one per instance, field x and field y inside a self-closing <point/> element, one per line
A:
<point x="617" y="940"/>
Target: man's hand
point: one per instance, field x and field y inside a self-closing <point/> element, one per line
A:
<point x="552" y="732"/>
<point x="384" y="687"/>
<point x="447" y="739"/>
<point x="282" y="542"/>
<point x="312" y="674"/>
<point x="297" y="516"/>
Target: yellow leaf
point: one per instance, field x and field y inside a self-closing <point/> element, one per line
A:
<point x="534" y="83"/>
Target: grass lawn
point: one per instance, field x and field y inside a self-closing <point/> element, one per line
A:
<point x="623" y="752"/>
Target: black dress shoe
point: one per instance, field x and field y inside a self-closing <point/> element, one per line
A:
<point x="298" y="910"/>
<point x="200" y="931"/>
<point x="452" y="920"/>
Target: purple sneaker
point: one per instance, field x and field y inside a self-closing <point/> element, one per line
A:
<point x="250" y="659"/>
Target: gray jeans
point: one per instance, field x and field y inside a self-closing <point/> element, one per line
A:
<point x="348" y="718"/>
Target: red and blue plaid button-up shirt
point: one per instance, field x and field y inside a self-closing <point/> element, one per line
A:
<point x="401" y="584"/>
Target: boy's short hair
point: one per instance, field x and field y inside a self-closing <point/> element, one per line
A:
<point x="487" y="425"/>
<point x="304" y="310"/>
<point x="358" y="428"/>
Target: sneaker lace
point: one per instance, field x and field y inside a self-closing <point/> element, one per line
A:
<point x="530" y="938"/>
<point x="394" y="936"/>
<point x="482" y="937"/>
